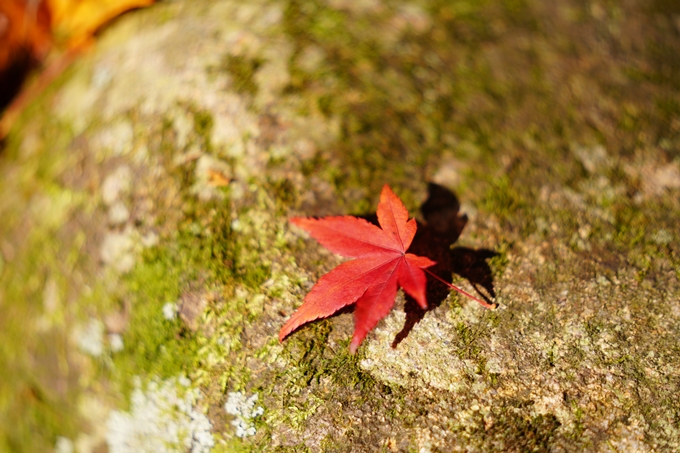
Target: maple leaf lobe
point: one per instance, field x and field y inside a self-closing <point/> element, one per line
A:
<point x="371" y="280"/>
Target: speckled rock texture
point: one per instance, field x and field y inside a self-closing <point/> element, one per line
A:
<point x="147" y="263"/>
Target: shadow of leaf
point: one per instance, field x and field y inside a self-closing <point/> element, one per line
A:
<point x="434" y="238"/>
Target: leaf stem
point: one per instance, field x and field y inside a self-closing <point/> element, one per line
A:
<point x="463" y="292"/>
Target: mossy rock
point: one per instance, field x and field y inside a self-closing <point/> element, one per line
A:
<point x="147" y="262"/>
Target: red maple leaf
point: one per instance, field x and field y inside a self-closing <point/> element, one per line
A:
<point x="370" y="280"/>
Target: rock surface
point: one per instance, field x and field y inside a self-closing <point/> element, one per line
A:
<point x="146" y="260"/>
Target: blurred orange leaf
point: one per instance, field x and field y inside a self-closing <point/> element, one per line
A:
<point x="28" y="28"/>
<point x="77" y="20"/>
<point x="24" y="30"/>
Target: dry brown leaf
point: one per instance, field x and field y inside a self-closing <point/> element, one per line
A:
<point x="217" y="178"/>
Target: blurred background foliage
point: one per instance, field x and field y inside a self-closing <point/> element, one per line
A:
<point x="31" y="29"/>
